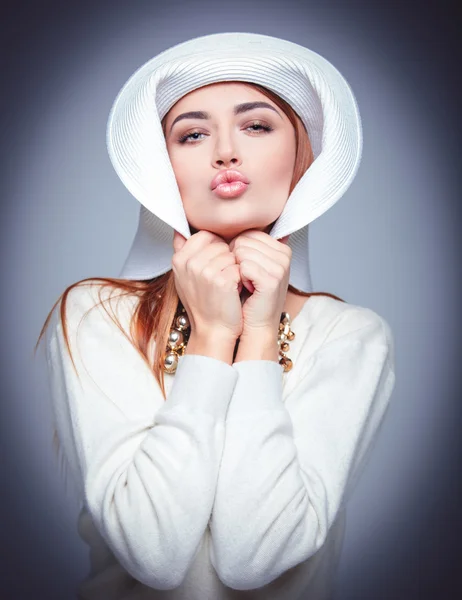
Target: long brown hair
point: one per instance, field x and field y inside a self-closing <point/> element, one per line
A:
<point x="158" y="300"/>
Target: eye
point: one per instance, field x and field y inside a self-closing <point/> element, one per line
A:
<point x="261" y="127"/>
<point x="257" y="127"/>
<point x="184" y="138"/>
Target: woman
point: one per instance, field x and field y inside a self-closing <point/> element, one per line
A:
<point x="216" y="413"/>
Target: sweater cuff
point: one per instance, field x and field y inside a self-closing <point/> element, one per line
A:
<point x="258" y="388"/>
<point x="202" y="383"/>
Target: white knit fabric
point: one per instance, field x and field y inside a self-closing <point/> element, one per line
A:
<point x="239" y="478"/>
<point x="308" y="82"/>
<point x="234" y="487"/>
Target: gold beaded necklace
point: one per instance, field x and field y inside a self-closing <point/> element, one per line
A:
<point x="180" y="331"/>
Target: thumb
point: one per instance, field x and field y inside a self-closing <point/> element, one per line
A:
<point x="178" y="241"/>
<point x="284" y="239"/>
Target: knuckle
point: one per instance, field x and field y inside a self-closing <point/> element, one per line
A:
<point x="192" y="265"/>
<point x="280" y="271"/>
<point x="223" y="248"/>
<point x="219" y="281"/>
<point x="208" y="273"/>
<point x="212" y="237"/>
<point x="176" y="260"/>
<point x="241" y="252"/>
<point x="202" y="235"/>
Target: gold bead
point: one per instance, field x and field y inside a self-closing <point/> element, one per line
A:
<point x="175" y="339"/>
<point x="179" y="334"/>
<point x="286" y="363"/>
<point x="182" y="322"/>
<point x="170" y="362"/>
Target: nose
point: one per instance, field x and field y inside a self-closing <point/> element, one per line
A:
<point x="225" y="152"/>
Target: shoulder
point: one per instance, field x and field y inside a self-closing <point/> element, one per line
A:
<point x="93" y="302"/>
<point x="330" y="319"/>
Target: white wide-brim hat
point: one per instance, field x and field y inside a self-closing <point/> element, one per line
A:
<point x="314" y="88"/>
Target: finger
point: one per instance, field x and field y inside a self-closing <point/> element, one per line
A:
<point x="261" y="236"/>
<point x="278" y="256"/>
<point x="233" y="274"/>
<point x="219" y="262"/>
<point x="255" y="274"/>
<point x="178" y="241"/>
<point x="276" y="268"/>
<point x="214" y="257"/>
<point x="248" y="284"/>
<point x="197" y="242"/>
<point x="272" y="248"/>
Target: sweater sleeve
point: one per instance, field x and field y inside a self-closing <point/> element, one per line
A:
<point x="147" y="468"/>
<point x="288" y="466"/>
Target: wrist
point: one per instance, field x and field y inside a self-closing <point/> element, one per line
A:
<point x="259" y="345"/>
<point x="213" y="344"/>
<point x="262" y="335"/>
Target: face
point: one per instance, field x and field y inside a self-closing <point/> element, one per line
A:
<point x="258" y="142"/>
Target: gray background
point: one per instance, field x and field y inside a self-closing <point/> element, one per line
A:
<point x="389" y="244"/>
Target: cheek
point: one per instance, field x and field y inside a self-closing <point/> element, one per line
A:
<point x="279" y="165"/>
<point x="185" y="170"/>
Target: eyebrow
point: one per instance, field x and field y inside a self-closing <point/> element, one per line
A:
<point x="238" y="109"/>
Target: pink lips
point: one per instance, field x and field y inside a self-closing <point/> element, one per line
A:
<point x="229" y="183"/>
<point x="230" y="190"/>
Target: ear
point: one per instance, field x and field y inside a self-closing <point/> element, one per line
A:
<point x="178" y="241"/>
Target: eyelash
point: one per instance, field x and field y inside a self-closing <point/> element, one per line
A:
<point x="182" y="139"/>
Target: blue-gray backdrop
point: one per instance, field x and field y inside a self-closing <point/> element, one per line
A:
<point x="390" y="244"/>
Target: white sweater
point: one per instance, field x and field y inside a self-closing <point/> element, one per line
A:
<point x="239" y="476"/>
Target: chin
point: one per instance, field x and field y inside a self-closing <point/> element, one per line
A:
<point x="229" y="232"/>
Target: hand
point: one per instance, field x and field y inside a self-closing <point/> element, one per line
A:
<point x="207" y="281"/>
<point x="264" y="264"/>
